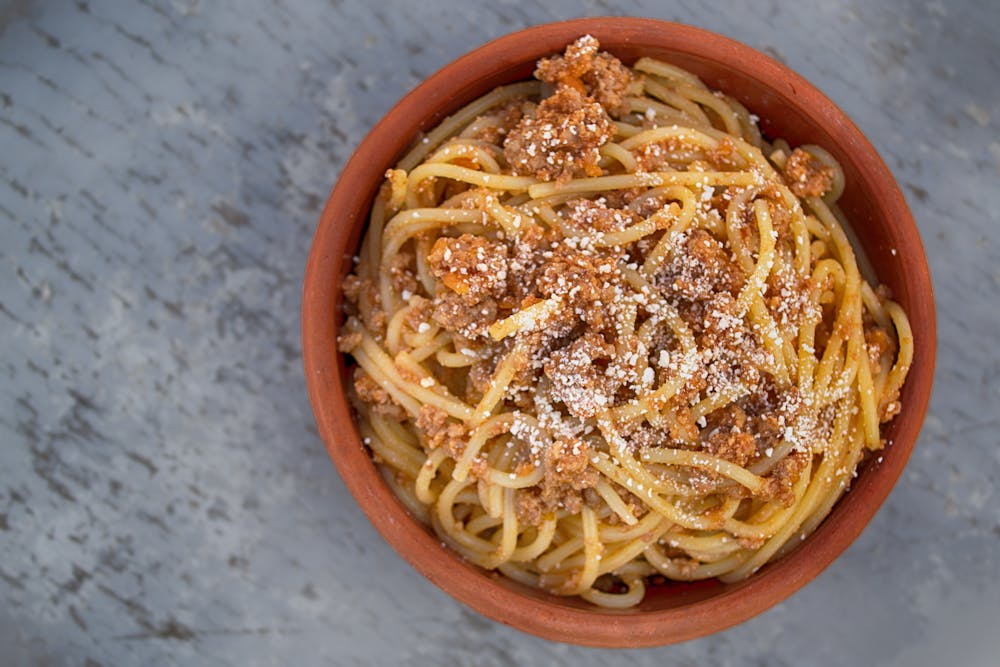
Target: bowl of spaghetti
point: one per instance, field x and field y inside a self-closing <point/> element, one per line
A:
<point x="618" y="331"/>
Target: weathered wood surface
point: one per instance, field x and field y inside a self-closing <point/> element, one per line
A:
<point x="164" y="498"/>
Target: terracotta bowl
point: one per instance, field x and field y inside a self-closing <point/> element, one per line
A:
<point x="789" y="107"/>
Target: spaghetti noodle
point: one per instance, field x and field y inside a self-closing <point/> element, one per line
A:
<point x="604" y="330"/>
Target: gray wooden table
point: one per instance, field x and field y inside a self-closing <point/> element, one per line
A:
<point x="164" y="497"/>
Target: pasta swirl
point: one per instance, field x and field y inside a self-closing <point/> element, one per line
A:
<point x="604" y="330"/>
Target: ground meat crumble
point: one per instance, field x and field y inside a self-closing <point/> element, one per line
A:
<point x="506" y="119"/>
<point x="596" y="216"/>
<point x="577" y="375"/>
<point x="562" y="139"/>
<point x="567" y="475"/>
<point x="377" y="398"/>
<point x="584" y="67"/>
<point x="806" y="174"/>
<point x="471" y="266"/>
<point x="441" y="431"/>
<point x="453" y="312"/>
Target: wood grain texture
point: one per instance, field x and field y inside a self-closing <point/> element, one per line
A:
<point x="164" y="498"/>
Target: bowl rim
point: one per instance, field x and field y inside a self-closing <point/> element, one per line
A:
<point x="548" y="616"/>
